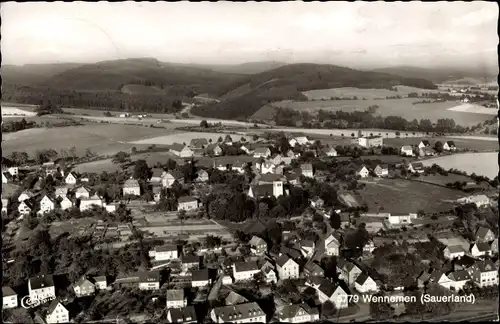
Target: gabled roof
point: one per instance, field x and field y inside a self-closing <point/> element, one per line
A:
<point x="175" y="294"/>
<point x="199" y="275"/>
<point x="417" y="165"/>
<point x="149" y="276"/>
<point x="157" y="172"/>
<point x="361" y="279"/>
<point x="455" y="249"/>
<point x="406" y="148"/>
<point x="82" y="281"/>
<point x="306" y="166"/>
<point x="198" y="142"/>
<point x="7" y="291"/>
<point x="245" y="266"/>
<point x="176" y="147"/>
<point x="257" y="241"/>
<point x="131" y="183"/>
<point x="185" y="314"/>
<point x="166" y="248"/>
<point x="238" y="312"/>
<point x="307" y="243"/>
<point x="82" y="189"/>
<point x="291" y="311"/>
<point x="42" y="281"/>
<point x="262" y="150"/>
<point x="282" y="260"/>
<point x="486" y="265"/>
<point x="263" y="190"/>
<point x="425" y="142"/>
<point x="482" y="232"/>
<point x="187" y="259"/>
<point x="313" y="267"/>
<point x="483" y="246"/>
<point x="186" y="199"/>
<point x="234" y="298"/>
<point x="382" y="166"/>
<point x="450" y="143"/>
<point x="53" y="306"/>
<point x="459" y="275"/>
<point x="270" y="177"/>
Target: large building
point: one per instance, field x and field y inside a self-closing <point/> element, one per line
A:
<point x="371" y="141"/>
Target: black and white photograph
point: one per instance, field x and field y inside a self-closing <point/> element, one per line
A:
<point x="249" y="162"/>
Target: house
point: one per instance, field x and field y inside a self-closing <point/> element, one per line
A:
<point x="227" y="280"/>
<point x="5" y="205"/>
<point x="494" y="246"/>
<point x="301" y="140"/>
<point x="82" y="192"/>
<point x="267" y="167"/>
<point x="307" y="248"/>
<point x="317" y="202"/>
<point x="245" y="148"/>
<point x="307" y="170"/>
<point x="83" y="287"/>
<point x="233" y="298"/>
<point x="277" y="159"/>
<point x="262" y="152"/>
<point x="165" y="252"/>
<point x="61" y="191"/>
<point x="25" y="207"/>
<point x="241" y="313"/>
<point x="291" y="154"/>
<point x="200" y="278"/>
<point x="484" y="234"/>
<point x="400" y="219"/>
<point x="169" y="178"/>
<point x="46" y="204"/>
<point x="51" y="170"/>
<point x="381" y="170"/>
<point x="198" y="143"/>
<point x="263" y="190"/>
<point x="293" y="178"/>
<point x="187" y="203"/>
<point x="9" y="297"/>
<point x="406" y="150"/>
<point x="458" y="279"/>
<point x="100" y="282"/>
<point x="180" y="150"/>
<point x="149" y="280"/>
<point x="189" y="262"/>
<point x="329" y="291"/>
<point x="243" y="271"/>
<point x="364" y="283"/>
<point x="297" y="313"/>
<point x="41" y="287"/>
<point x="416" y="167"/>
<point x="449" y="146"/>
<point x="332" y="244"/>
<point x="312" y="269"/>
<point x="176" y="299"/>
<point x="182" y="315"/>
<point x="89" y="203"/>
<point x="371" y="141"/>
<point x="6" y="177"/>
<point x="480" y="249"/>
<point x="478" y="200"/>
<point x="26" y="194"/>
<point x="157" y="193"/>
<point x="270" y="275"/>
<point x="484" y="273"/>
<point x="110" y="208"/>
<point x="287" y="268"/>
<point x="257" y="245"/>
<point x="268" y="178"/>
<point x="330" y="151"/>
<point x="57" y="313"/>
<point x="12" y="170"/>
<point x="65" y="203"/>
<point x="453" y="252"/>
<point x="427" y="151"/>
<point x="216" y="150"/>
<point x="156" y="175"/>
<point x="348" y="271"/>
<point x="424" y="143"/>
<point x="202" y="176"/>
<point x="70" y="178"/>
<point x="363" y="172"/>
<point x="438" y="277"/>
<point x="131" y="187"/>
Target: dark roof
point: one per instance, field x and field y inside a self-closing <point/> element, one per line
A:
<point x="175" y="294"/>
<point x="185" y="314"/>
<point x="486" y="265"/>
<point x="291" y="252"/>
<point x="270" y="177"/>
<point x="263" y="190"/>
<point x="327" y="288"/>
<point x="166" y="248"/>
<point x="190" y="259"/>
<point x="482" y="232"/>
<point x="313" y="267"/>
<point x="157" y="172"/>
<point x="7" y="291"/>
<point x="186" y="199"/>
<point x="149" y="276"/>
<point x="262" y="150"/>
<point x="53" y="306"/>
<point x="417" y="165"/>
<point x="306" y="166"/>
<point x="233" y="298"/>
<point x="459" y="275"/>
<point x="483" y="246"/>
<point x="238" y="312"/>
<point x="360" y="280"/>
<point x="199" y="275"/>
<point x="290" y="311"/>
<point x="100" y="278"/>
<point x="450" y="143"/>
<point x="282" y="260"/>
<point x="198" y="142"/>
<point x="83" y="281"/>
<point x="426" y="142"/>
<point x="176" y="147"/>
<point x="42" y="281"/>
<point x="246" y="266"/>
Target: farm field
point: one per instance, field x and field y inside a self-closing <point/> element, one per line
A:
<point x="390" y="159"/>
<point x="364" y="93"/>
<point x="485" y="164"/>
<point x="405" y="196"/>
<point x="462" y="142"/>
<point x="471" y="108"/>
<point x="443" y="180"/>
<point x="18" y="111"/>
<point x="9" y="189"/>
<point x="184" y="138"/>
<point x="338" y="132"/>
<point x="102" y="139"/>
<point x="392" y="107"/>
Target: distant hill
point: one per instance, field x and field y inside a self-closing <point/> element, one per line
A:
<point x="441" y="75"/>
<point x="244" y="68"/>
<point x="243" y="97"/>
<point x="31" y="74"/>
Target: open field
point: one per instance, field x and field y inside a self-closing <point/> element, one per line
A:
<point x="99" y="138"/>
<point x="338" y="132"/>
<point x="485" y="164"/>
<point x="390" y="159"/>
<point x="404" y="196"/>
<point x="394" y="107"/>
<point x="443" y="180"/>
<point x="462" y="142"/>
<point x="471" y="108"/>
<point x="364" y="93"/>
<point x="8" y="189"/>
<point x="20" y="111"/>
<point x="184" y="138"/>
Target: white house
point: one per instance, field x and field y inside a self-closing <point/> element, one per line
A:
<point x="26" y="194"/>
<point x="424" y="143"/>
<point x="70" y="178"/>
<point x="458" y="279"/>
<point x="131" y="187"/>
<point x="307" y="170"/>
<point x="176" y="299"/>
<point x="269" y="275"/>
<point x="484" y="234"/>
<point x="494" y="246"/>
<point x="88" y="203"/>
<point x="297" y="313"/>
<point x="330" y="151"/>
<point x="41" y="287"/>
<point x="243" y="271"/>
<point x="381" y="170"/>
<point x="480" y="249"/>
<point x="267" y="167"/>
<point x="46" y="205"/>
<point x="334" y="293"/>
<point x="83" y="287"/>
<point x="25" y="207"/>
<point x="262" y="190"/>
<point x="9" y="297"/>
<point x="240" y="313"/>
<point x="165" y="252"/>
<point x="287" y="268"/>
<point x="307" y="248"/>
<point x="168" y="179"/>
<point x="263" y="152"/>
<point x="100" y="282"/>
<point x="484" y="273"/>
<point x="61" y="191"/>
<point x="478" y="200"/>
<point x="332" y="244"/>
<point x="401" y="219"/>
<point x="407" y="150"/>
<point x="364" y="283"/>
<point x="6" y="177"/>
<point x="348" y="271"/>
<point x="187" y="203"/>
<point x="363" y="172"/>
<point x="257" y="245"/>
<point x="5" y="205"/>
<point x="82" y="192"/>
<point x="182" y="315"/>
<point x="453" y="252"/>
<point x="149" y="280"/>
<point x="57" y="313"/>
<point x="200" y="278"/>
<point x="416" y="167"/>
<point x="371" y="141"/>
<point x="449" y="146"/>
<point x="180" y="150"/>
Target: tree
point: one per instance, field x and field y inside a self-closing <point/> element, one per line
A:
<point x="204" y="123"/>
<point x="228" y="138"/>
<point x="263" y="210"/>
<point x="19" y="158"/>
<point x="243" y="139"/>
<point x="134" y="150"/>
<point x="181" y="214"/>
<point x="255" y="137"/>
<point x="121" y="157"/>
<point x="335" y="221"/>
<point x="89" y="154"/>
<point x="43" y="156"/>
<point x="220" y="139"/>
<point x="142" y="170"/>
<point x="438" y="146"/>
<point x="328" y="310"/>
<point x="380" y="310"/>
<point x="352" y="135"/>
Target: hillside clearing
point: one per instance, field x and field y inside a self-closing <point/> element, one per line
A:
<point x="184" y="138"/>
<point x="485" y="164"/>
<point x="369" y="94"/>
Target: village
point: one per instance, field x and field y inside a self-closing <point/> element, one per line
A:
<point x="268" y="231"/>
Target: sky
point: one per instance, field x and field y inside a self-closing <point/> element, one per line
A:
<point x="345" y="33"/>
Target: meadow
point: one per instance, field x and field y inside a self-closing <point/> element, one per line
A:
<point x="390" y="107"/>
<point x="102" y="139"/>
<point x="185" y="138"/>
<point x="369" y="94"/>
<point x="19" y="111"/>
<point x="485" y="164"/>
<point x="477" y="144"/>
<point x="405" y="196"/>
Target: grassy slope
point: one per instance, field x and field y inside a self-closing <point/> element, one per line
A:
<point x="288" y="82"/>
<point x="30" y="74"/>
<point x="438" y="75"/>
